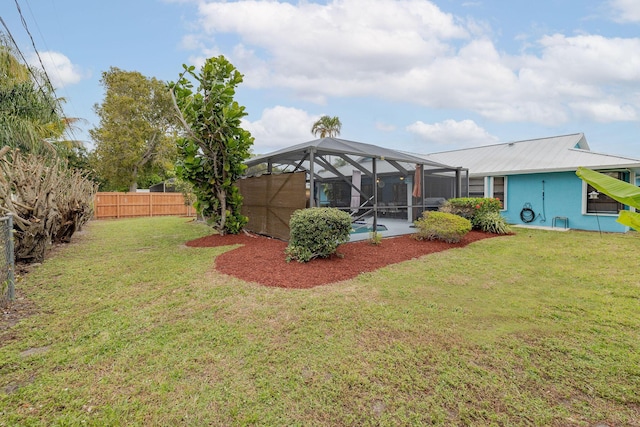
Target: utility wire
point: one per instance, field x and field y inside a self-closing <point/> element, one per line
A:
<point x="69" y="129"/>
<point x="24" y="24"/>
<point x="44" y="70"/>
<point x="17" y="48"/>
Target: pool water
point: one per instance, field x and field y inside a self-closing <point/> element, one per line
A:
<point x="366" y="228"/>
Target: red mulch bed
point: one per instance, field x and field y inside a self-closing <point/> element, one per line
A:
<point x="262" y="259"/>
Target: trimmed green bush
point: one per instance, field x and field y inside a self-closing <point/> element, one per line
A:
<point x="472" y="208"/>
<point x="443" y="226"/>
<point x="491" y="222"/>
<point x="317" y="233"/>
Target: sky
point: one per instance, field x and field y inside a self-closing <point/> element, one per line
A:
<point x="413" y="75"/>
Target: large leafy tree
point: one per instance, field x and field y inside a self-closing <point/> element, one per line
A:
<point x="621" y="191"/>
<point x="327" y="126"/>
<point x="30" y="118"/>
<point x="214" y="146"/>
<point x="135" y="141"/>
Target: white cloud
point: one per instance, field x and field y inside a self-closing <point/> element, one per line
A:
<point x="456" y="134"/>
<point x="573" y="75"/>
<point x="280" y="127"/>
<point x="625" y="10"/>
<point x="604" y="112"/>
<point x="592" y="59"/>
<point x="191" y="42"/>
<point x="385" y="127"/>
<point x="59" y="68"/>
<point x="468" y="79"/>
<point x="410" y="51"/>
<point x="341" y="47"/>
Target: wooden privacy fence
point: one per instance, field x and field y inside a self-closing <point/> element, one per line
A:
<point x="131" y="205"/>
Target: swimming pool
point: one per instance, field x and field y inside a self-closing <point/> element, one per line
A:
<point x="358" y="227"/>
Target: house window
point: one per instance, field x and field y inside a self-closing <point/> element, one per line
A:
<point x="499" y="187"/>
<point x="476" y="187"/>
<point x="600" y="203"/>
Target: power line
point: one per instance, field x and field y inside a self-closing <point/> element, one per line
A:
<point x="44" y="70"/>
<point x="15" y="45"/>
<point x="24" y="24"/>
<point x="69" y="129"/>
<point x="17" y="48"/>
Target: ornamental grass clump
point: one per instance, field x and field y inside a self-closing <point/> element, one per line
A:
<point x="317" y="233"/>
<point x="443" y="226"/>
<point x="491" y="222"/>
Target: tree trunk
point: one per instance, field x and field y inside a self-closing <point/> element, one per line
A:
<point x="222" y="197"/>
<point x="133" y="186"/>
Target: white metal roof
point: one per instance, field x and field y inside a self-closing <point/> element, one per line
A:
<point x="553" y="154"/>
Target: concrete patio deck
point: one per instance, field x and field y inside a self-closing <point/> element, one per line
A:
<point x="398" y="227"/>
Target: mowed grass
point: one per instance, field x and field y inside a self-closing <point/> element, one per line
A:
<point x="133" y="328"/>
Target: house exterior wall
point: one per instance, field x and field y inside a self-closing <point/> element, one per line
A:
<point x="562" y="198"/>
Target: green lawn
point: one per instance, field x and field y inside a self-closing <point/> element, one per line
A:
<point x="134" y="328"/>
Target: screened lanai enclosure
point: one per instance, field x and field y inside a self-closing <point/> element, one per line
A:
<point x="367" y="181"/>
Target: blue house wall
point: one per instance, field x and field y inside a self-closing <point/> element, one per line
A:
<point x="562" y="198"/>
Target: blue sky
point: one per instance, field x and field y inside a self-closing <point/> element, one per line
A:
<point x="415" y="75"/>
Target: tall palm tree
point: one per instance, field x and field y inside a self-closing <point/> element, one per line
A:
<point x="327" y="127"/>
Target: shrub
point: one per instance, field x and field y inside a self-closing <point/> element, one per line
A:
<point x="464" y="207"/>
<point x="375" y="238"/>
<point x="49" y="201"/>
<point x="317" y="233"/>
<point x="491" y="222"/>
<point x="443" y="226"/>
<point x="472" y="207"/>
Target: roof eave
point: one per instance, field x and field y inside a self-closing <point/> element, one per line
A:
<point x="553" y="170"/>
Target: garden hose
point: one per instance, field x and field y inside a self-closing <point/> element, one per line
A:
<point x="527" y="214"/>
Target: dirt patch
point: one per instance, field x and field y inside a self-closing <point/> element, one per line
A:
<point x="34" y="351"/>
<point x="21" y="307"/>
<point x="262" y="259"/>
<point x="15" y="311"/>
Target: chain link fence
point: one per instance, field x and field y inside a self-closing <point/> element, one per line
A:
<point x="7" y="279"/>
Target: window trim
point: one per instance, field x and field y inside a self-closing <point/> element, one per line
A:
<point x="585" y="186"/>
